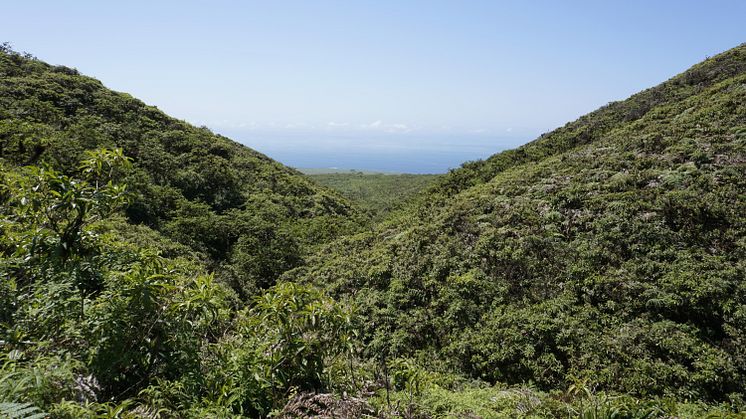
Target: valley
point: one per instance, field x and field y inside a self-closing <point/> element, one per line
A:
<point x="153" y="269"/>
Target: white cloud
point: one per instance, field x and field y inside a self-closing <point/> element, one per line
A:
<point x="399" y="127"/>
<point x="384" y="127"/>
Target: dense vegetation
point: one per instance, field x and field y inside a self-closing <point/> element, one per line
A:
<point x="377" y="194"/>
<point x="149" y="268"/>
<point x="611" y="250"/>
<point x="248" y="217"/>
<point x="138" y="253"/>
<point x="94" y="318"/>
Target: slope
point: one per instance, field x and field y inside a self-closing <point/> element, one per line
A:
<point x="247" y="216"/>
<point x="138" y="259"/>
<point x="610" y="250"/>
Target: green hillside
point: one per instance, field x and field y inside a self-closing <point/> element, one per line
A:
<point x="152" y="269"/>
<point x="240" y="210"/>
<point x="138" y="260"/>
<point x="378" y="194"/>
<point x="609" y="251"/>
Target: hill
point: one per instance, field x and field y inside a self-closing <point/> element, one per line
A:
<point x="248" y="217"/>
<point x="378" y="193"/>
<point x="139" y="257"/>
<point x="609" y="252"/>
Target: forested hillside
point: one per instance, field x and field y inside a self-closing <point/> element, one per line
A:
<point x="610" y="251"/>
<point x="244" y="213"/>
<point x="138" y="260"/>
<point x="152" y="269"/>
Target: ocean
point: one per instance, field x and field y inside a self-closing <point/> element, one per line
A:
<point x="387" y="153"/>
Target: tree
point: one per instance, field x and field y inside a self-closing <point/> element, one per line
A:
<point x="48" y="216"/>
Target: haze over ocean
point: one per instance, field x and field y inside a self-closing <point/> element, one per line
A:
<point x="397" y="153"/>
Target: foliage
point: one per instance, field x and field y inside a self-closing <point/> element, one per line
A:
<point x="144" y="336"/>
<point x="286" y="342"/>
<point x="182" y="178"/>
<point x="441" y="396"/>
<point x="299" y="330"/>
<point x="378" y="194"/>
<point x="20" y="411"/>
<point x="611" y="249"/>
<point x="50" y="211"/>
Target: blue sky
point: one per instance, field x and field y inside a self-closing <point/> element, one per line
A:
<point x="389" y="80"/>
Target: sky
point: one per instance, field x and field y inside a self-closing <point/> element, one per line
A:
<point x="407" y="86"/>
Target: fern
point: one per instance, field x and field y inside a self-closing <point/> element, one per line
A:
<point x="20" y="411"/>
